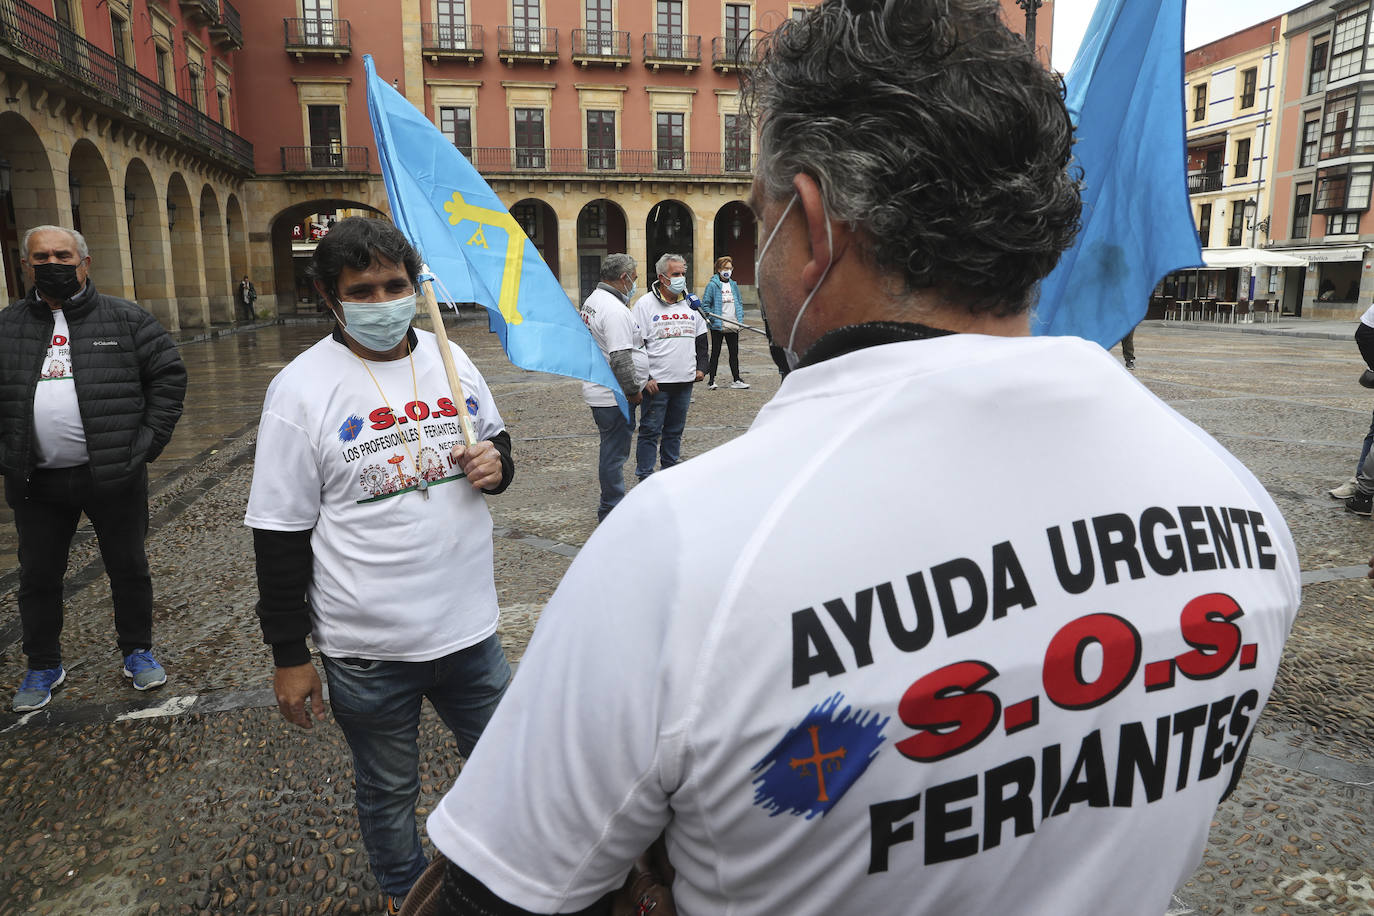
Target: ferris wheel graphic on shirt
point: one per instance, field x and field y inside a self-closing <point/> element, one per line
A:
<point x="384" y="451"/>
<point x="57" y="365"/>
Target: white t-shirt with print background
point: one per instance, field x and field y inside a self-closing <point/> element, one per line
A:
<point x="613" y="328"/>
<point x="59" y="436"/>
<point x="894" y="698"/>
<point x="670" y="334"/>
<point x="397" y="576"/>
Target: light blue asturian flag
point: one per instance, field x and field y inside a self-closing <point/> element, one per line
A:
<point x="1125" y="94"/>
<point x="474" y="246"/>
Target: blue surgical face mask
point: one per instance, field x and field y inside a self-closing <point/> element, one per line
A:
<point x="678" y="284"/>
<point x="379" y="326"/>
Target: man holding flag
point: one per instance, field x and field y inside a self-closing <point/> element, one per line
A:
<point x="903" y="690"/>
<point x="373" y="537"/>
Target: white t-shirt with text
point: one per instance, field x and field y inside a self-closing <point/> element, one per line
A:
<point x="396" y="577"/>
<point x="905" y="691"/>
<point x="670" y="334"/>
<point x="59" y="437"/>
<point x="613" y="328"/>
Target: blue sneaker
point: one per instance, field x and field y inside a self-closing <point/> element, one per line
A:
<point x="37" y="687"/>
<point x="144" y="670"/>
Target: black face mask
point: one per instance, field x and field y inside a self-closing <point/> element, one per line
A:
<point x="56" y="281"/>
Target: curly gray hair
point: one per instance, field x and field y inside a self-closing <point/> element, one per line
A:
<point x="615" y="266"/>
<point x="934" y="131"/>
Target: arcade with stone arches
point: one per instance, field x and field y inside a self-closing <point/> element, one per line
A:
<point x="574" y="229"/>
<point x="165" y="228"/>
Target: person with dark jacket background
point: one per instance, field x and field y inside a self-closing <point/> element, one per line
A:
<point x="91" y="388"/>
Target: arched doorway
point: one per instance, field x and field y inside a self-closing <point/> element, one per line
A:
<point x="32" y="199"/>
<point x="734" y="238"/>
<point x="188" y="270"/>
<point x="94" y="216"/>
<point x="148" y="245"/>
<point x="541" y="225"/>
<point x="295" y="232"/>
<point x="600" y="231"/>
<point x="237" y="233"/>
<point x="670" y="229"/>
<point x="214" y="241"/>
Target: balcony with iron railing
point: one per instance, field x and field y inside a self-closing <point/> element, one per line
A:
<point x="591" y="46"/>
<point x="1204" y="180"/>
<point x="40" y="43"/>
<point x="330" y="159"/>
<point x="200" y="12"/>
<point x="227" y="33"/>
<point x="445" y="40"/>
<point x="668" y="49"/>
<point x="516" y="44"/>
<point x="318" y="36"/>
<point x="500" y="160"/>
<point x="732" y="53"/>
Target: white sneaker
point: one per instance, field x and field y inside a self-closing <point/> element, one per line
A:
<point x="1345" y="490"/>
<point x="739" y="384"/>
<point x="712" y="387"/>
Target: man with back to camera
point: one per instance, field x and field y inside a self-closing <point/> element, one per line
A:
<point x="674" y="332"/>
<point x="369" y="539"/>
<point x="900" y="692"/>
<point x="91" y="388"/>
<point x="607" y="315"/>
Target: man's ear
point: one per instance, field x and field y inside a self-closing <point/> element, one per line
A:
<point x="826" y="246"/>
<point x="329" y="301"/>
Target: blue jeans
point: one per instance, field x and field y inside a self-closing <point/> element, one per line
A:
<point x="377" y="704"/>
<point x="615" y="448"/>
<point x="662" y="416"/>
<point x="1364" y="451"/>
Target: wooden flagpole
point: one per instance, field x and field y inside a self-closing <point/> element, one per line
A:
<point x="455" y="384"/>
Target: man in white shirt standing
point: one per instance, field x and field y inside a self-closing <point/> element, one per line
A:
<point x="607" y="315"/>
<point x="373" y="537"/>
<point x="675" y="335"/>
<point x="896" y="691"/>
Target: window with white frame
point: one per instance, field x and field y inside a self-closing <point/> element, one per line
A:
<point x="1347" y="43"/>
<point x="1311" y="137"/>
<point x="456" y="123"/>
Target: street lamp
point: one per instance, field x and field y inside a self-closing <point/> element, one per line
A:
<point x="1030" y="6"/>
<point x="171" y="215"/>
<point x="6" y="173"/>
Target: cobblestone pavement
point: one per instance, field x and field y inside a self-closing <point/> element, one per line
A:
<point x="200" y="799"/>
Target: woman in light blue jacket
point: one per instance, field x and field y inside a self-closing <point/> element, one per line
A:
<point x="721" y="298"/>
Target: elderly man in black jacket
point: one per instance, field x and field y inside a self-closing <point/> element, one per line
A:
<point x="91" y="388"/>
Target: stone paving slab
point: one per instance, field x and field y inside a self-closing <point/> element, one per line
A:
<point x="200" y="799"/>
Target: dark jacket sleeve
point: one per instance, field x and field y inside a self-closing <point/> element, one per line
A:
<point x="502" y="442"/>
<point x="285" y="565"/>
<point x="164" y="382"/>
<point x="462" y="894"/>
<point x="703" y="355"/>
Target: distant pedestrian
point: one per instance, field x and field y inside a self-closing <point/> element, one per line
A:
<point x="675" y="335"/>
<point x="247" y="296"/>
<point x="1364" y="339"/>
<point x="721" y="299"/>
<point x="608" y="317"/>
<point x="91" y="388"/>
<point x="1128" y="349"/>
